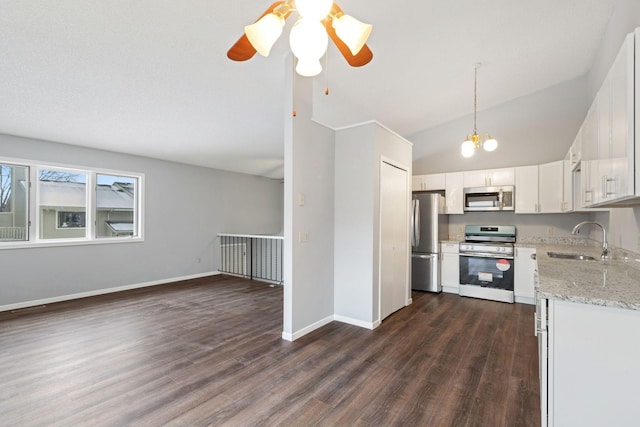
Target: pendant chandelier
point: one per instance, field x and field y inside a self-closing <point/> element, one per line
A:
<point x="475" y="140"/>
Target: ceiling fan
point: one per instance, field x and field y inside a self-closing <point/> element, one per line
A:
<point x="308" y="38"/>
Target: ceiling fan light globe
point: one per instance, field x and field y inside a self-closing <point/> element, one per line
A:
<point x="315" y="10"/>
<point x="467" y="148"/>
<point x="263" y="34"/>
<point x="308" y="67"/>
<point x="352" y="32"/>
<point x="490" y="144"/>
<point x="308" y="39"/>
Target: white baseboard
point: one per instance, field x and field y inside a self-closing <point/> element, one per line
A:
<point x="525" y="300"/>
<point x="69" y="297"/>
<point x="304" y="331"/>
<point x="357" y="322"/>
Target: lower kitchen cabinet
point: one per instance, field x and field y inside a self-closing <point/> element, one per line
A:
<point x="523" y="275"/>
<point x="593" y="364"/>
<point x="450" y="267"/>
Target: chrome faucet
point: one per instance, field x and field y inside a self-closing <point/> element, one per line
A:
<point x="605" y="246"/>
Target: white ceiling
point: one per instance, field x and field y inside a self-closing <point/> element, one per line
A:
<point x="151" y="77"/>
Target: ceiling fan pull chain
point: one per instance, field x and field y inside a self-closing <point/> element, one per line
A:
<point x="326" y="71"/>
<point x="293" y="85"/>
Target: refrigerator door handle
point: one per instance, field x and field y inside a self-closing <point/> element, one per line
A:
<point x="416" y="221"/>
<point x="413" y="222"/>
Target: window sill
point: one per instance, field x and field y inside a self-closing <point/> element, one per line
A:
<point x="67" y="242"/>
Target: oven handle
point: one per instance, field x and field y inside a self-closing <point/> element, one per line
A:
<point x="483" y="255"/>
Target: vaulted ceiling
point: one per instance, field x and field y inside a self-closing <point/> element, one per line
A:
<point x="152" y="78"/>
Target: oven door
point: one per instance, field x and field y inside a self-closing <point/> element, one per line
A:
<point x="487" y="270"/>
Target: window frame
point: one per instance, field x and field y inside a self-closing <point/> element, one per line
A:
<point x="90" y="238"/>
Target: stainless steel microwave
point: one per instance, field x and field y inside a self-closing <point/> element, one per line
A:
<point x="479" y="199"/>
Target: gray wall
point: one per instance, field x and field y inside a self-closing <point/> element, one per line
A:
<point x="530" y="130"/>
<point x="309" y="170"/>
<point x="185" y="208"/>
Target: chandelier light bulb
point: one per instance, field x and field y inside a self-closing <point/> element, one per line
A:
<point x="490" y="144"/>
<point x="468" y="148"/>
<point x="263" y="34"/>
<point x="308" y="67"/>
<point x="314" y="10"/>
<point x="352" y="32"/>
<point x="308" y="39"/>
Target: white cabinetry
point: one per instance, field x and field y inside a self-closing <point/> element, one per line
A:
<point x="450" y="267"/>
<point x="539" y="189"/>
<point x="593" y="369"/>
<point x="429" y="182"/>
<point x="489" y="178"/>
<point x="608" y="142"/>
<point x="526" y="189"/>
<point x="567" y="184"/>
<point x="550" y="187"/>
<point x="523" y="277"/>
<point x="454" y="192"/>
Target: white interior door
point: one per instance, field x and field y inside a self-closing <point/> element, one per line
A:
<point x="394" y="253"/>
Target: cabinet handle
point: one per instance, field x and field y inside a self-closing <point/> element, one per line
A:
<point x="533" y="257"/>
<point x="587" y="193"/>
<point x="605" y="185"/>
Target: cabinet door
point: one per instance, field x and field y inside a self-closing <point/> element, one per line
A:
<point x="450" y="272"/>
<point x="618" y="182"/>
<point x="475" y="179"/>
<point x="505" y="176"/>
<point x="567" y="186"/>
<point x="593" y="365"/>
<point x="589" y="170"/>
<point x="527" y="189"/>
<point x="434" y="181"/>
<point x="417" y="182"/>
<point x="453" y="192"/>
<point x="550" y="190"/>
<point x="523" y="278"/>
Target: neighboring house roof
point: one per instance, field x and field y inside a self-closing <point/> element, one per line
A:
<point x="73" y="194"/>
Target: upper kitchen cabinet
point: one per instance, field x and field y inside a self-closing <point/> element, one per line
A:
<point x="526" y="189"/>
<point x="489" y="178"/>
<point x="431" y="182"/>
<point x="539" y="188"/>
<point x="609" y="155"/>
<point x="454" y="197"/>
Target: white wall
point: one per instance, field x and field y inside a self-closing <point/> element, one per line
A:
<point x="533" y="129"/>
<point x="186" y="206"/>
<point x="309" y="171"/>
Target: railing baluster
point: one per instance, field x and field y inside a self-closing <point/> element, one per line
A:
<point x="256" y="257"/>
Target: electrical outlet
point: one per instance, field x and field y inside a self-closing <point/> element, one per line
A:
<point x="301" y="200"/>
<point x="550" y="231"/>
<point x="303" y="237"/>
<point x="461" y="230"/>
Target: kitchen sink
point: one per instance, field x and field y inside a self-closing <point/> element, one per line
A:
<point x="566" y="255"/>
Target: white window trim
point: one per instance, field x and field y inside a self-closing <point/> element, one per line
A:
<point x="34" y="217"/>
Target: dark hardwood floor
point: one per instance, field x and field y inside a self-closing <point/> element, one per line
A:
<point x="209" y="352"/>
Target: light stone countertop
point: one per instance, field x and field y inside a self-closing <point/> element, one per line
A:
<point x="611" y="283"/>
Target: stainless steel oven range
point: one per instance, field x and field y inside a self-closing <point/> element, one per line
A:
<point x="486" y="262"/>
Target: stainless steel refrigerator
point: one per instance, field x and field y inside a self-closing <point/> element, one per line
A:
<point x="429" y="225"/>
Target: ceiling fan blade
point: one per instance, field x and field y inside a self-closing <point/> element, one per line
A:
<point x="358" y="60"/>
<point x="243" y="50"/>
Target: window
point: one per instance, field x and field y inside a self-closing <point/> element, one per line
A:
<point x="67" y="205"/>
<point x="62" y="204"/>
<point x="14" y="202"/>
<point x="115" y="206"/>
